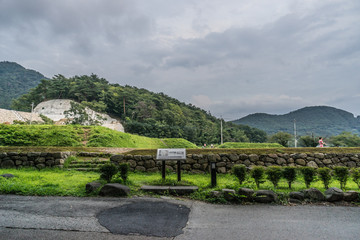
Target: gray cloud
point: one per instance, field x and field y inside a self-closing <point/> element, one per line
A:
<point x="228" y="57"/>
<point x="79" y="26"/>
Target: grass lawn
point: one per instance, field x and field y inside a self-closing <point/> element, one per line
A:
<point x="49" y="182"/>
<point x="46" y="182"/>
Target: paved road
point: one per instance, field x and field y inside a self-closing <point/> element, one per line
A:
<point x="59" y="218"/>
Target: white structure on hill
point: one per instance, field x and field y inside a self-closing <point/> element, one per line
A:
<point x="9" y="116"/>
<point x="54" y="109"/>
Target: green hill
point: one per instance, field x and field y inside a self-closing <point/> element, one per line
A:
<point x="141" y="111"/>
<point x="318" y="120"/>
<point x="15" y="81"/>
<point x="74" y="136"/>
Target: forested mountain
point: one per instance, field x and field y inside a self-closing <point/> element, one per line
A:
<point x="317" y="120"/>
<point x="15" y="81"/>
<point x="141" y="111"/>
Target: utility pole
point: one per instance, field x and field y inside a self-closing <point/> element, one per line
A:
<point x="32" y="110"/>
<point x="221" y="131"/>
<point x="295" y="140"/>
<point x="124" y="106"/>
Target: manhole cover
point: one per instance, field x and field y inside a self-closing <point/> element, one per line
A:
<point x="160" y="219"/>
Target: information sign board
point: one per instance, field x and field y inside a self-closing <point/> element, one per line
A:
<point x="171" y="154"/>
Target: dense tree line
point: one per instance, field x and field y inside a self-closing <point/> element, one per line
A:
<point x="141" y="111"/>
<point x="15" y="81"/>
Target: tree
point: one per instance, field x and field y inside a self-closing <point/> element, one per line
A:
<point x="77" y="114"/>
<point x="234" y="135"/>
<point x="325" y="176"/>
<point x="98" y="106"/>
<point x="341" y="174"/>
<point x="345" y="139"/>
<point x="144" y="110"/>
<point x="257" y="173"/>
<point x="253" y="134"/>
<point x="282" y="138"/>
<point x="309" y="174"/>
<point x="308" y="141"/>
<point x="107" y="171"/>
<point x="355" y="173"/>
<point x="240" y="172"/>
<point x="274" y="174"/>
<point x="289" y="173"/>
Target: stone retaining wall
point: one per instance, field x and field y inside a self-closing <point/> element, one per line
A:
<point x="195" y="163"/>
<point x="36" y="159"/>
<point x="199" y="163"/>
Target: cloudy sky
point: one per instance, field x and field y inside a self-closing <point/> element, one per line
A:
<point x="229" y="57"/>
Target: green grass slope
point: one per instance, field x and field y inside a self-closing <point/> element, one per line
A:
<point x="76" y="136"/>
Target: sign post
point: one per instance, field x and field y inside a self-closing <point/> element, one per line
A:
<point x="213" y="174"/>
<point x="171" y="154"/>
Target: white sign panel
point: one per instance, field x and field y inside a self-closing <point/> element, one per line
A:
<point x="171" y="154"/>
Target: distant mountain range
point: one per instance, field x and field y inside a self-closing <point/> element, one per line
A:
<point x="15" y="81"/>
<point x="317" y="120"/>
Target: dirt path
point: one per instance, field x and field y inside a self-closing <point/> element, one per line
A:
<point x="86" y="137"/>
<point x="115" y="150"/>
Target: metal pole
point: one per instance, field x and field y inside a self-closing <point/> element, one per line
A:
<point x="221" y="131"/>
<point x="179" y="170"/>
<point x="295" y="140"/>
<point x="163" y="168"/>
<point x="213" y="174"/>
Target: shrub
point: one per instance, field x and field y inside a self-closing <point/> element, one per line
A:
<point x="289" y="173"/>
<point x="325" y="176"/>
<point x="107" y="171"/>
<point x="124" y="171"/>
<point x="240" y="172"/>
<point x="274" y="174"/>
<point x="341" y="174"/>
<point x="68" y="161"/>
<point x="355" y="173"/>
<point x="258" y="174"/>
<point x="308" y="174"/>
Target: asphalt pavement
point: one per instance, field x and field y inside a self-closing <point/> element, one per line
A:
<point x="24" y="217"/>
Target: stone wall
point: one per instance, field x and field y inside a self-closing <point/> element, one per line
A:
<point x="195" y="163"/>
<point x="36" y="159"/>
<point x="199" y="163"/>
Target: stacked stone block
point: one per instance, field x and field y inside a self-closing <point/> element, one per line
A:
<point x="38" y="160"/>
<point x="199" y="163"/>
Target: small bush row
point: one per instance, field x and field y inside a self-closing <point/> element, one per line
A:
<point x="275" y="173"/>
